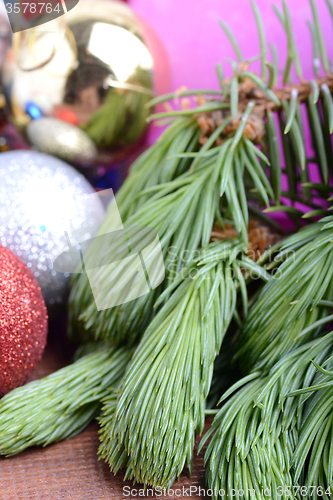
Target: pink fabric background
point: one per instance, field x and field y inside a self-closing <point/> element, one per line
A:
<point x="195" y="42"/>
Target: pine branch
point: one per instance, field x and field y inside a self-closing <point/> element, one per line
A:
<point x="146" y="172"/>
<point x="60" y="405"/>
<point x="229" y="137"/>
<point x="289" y="303"/>
<point x="210" y="164"/>
<point x="170" y="374"/>
<point x="258" y="433"/>
<point x="314" y="446"/>
<point x="183" y="213"/>
<point x="287" y="102"/>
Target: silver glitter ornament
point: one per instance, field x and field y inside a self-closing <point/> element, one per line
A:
<point x="58" y="138"/>
<point x="45" y="203"/>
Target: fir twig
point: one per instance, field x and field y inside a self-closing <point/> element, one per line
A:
<point x="171" y="370"/>
<point x="258" y="439"/>
<point x="288" y="303"/>
<point x="60" y="405"/>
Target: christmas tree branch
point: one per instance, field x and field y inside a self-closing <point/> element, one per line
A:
<point x="290" y="302"/>
<point x="170" y="374"/>
<point x="260" y="436"/>
<point x="62" y="404"/>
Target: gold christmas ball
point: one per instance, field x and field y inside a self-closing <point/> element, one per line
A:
<point x="95" y="68"/>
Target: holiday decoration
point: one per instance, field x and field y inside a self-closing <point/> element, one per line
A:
<point x="42" y="199"/>
<point x="207" y="187"/>
<point x="23" y="322"/>
<point x="94" y="68"/>
<point x="58" y="138"/>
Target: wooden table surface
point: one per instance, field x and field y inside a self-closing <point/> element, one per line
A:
<point x="71" y="469"/>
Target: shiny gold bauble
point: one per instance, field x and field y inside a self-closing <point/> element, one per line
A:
<point x="96" y="67"/>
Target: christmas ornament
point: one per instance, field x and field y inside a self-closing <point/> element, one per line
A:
<point x="42" y="198"/>
<point x="58" y="138"/>
<point x="96" y="68"/>
<point x="23" y="322"/>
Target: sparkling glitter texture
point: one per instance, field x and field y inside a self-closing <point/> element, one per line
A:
<point x="42" y="195"/>
<point x="23" y="322"/>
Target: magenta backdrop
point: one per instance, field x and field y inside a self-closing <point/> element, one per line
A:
<point x="195" y="42"/>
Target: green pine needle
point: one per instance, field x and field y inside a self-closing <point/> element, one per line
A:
<point x="183" y="213"/>
<point x="233" y="40"/>
<point x="262" y="38"/>
<point x="288" y="303"/>
<point x="319" y="35"/>
<point x="162" y="397"/>
<point x="260" y="436"/>
<point x="60" y="405"/>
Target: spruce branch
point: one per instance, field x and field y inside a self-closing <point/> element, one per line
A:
<point x="62" y="404"/>
<point x="216" y="176"/>
<point x="258" y="437"/>
<point x="145" y="173"/>
<point x="291" y="301"/>
<point x="162" y="397"/>
<point x="224" y="129"/>
<point x="183" y="213"/>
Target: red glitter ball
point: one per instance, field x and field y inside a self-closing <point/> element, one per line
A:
<point x="23" y="322"/>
